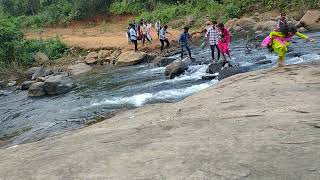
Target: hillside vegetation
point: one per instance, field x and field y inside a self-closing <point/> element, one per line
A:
<point x="16" y="15"/>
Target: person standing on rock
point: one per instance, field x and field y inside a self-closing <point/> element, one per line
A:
<point x="149" y="30"/>
<point x="134" y="37"/>
<point x="183" y="41"/>
<point x="279" y="41"/>
<point x="282" y="21"/>
<point x="163" y="37"/>
<point x="223" y="42"/>
<point x="213" y="37"/>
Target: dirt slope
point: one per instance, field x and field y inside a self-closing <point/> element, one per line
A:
<point x="259" y="125"/>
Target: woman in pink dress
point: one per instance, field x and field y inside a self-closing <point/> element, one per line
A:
<point x="224" y="42"/>
<point x="149" y="30"/>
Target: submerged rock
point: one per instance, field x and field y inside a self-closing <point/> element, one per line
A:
<point x="36" y="90"/>
<point x="175" y="69"/>
<point x="2" y="84"/>
<point x="132" y="58"/>
<point x="77" y="69"/>
<point x="230" y="71"/>
<point x="58" y="84"/>
<point x="26" y="85"/>
<point x="214" y="67"/>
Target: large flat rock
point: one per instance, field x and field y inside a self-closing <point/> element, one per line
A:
<point x="258" y="125"/>
<point x="131" y="58"/>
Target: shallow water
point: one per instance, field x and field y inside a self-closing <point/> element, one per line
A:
<point x="107" y="90"/>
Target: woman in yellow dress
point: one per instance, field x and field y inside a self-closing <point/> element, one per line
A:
<point x="279" y="41"/>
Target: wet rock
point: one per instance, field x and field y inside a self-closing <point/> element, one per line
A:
<point x="103" y="54"/>
<point x="80" y="68"/>
<point x="12" y="83"/>
<point x="18" y="88"/>
<point x="41" y="58"/>
<point x="58" y="84"/>
<point x="36" y="90"/>
<point x="266" y="61"/>
<point x="132" y="58"/>
<point x="162" y="61"/>
<point x="302" y="29"/>
<point x="310" y="20"/>
<point x="175" y="69"/>
<point x="214" y="67"/>
<point x="209" y="77"/>
<point x="42" y="72"/>
<point x="26" y="85"/>
<point x="230" y="71"/>
<point x="42" y="79"/>
<point x="260" y="58"/>
<point x="2" y="84"/>
<point x="294" y="54"/>
<point x="29" y="72"/>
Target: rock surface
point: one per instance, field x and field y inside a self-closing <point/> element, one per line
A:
<point x="162" y="61"/>
<point x="12" y="83"/>
<point x="41" y="58"/>
<point x="243" y="128"/>
<point x="103" y="54"/>
<point x="132" y="58"/>
<point x="37" y="90"/>
<point x="58" y="84"/>
<point x="77" y="69"/>
<point x="175" y="69"/>
<point x="26" y="85"/>
<point x="41" y="72"/>
<point x="311" y="20"/>
<point x="29" y="72"/>
<point x="2" y="84"/>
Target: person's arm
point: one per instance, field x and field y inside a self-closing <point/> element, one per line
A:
<point x="303" y="36"/>
<point x="169" y="33"/>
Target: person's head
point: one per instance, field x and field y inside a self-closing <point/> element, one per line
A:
<point x="186" y="29"/>
<point x="214" y="23"/>
<point x="165" y="26"/>
<point x="131" y="25"/>
<point x="221" y="26"/>
<point x="283" y="16"/>
<point x="284" y="29"/>
<point x="208" y="23"/>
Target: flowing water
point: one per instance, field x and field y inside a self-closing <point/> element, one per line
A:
<point x="106" y="90"/>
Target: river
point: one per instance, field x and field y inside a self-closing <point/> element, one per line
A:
<point x="106" y="90"/>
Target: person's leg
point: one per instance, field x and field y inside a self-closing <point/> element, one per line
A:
<point x="212" y="51"/>
<point x="280" y="61"/>
<point x="135" y="45"/>
<point x="189" y="51"/>
<point x="162" y="44"/>
<point x="218" y="51"/>
<point x="182" y="51"/>
<point x="143" y="39"/>
<point x="167" y="43"/>
<point x="148" y="39"/>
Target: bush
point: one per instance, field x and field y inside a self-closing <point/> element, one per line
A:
<point x="13" y="48"/>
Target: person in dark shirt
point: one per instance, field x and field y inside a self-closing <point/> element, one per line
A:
<point x="183" y="41"/>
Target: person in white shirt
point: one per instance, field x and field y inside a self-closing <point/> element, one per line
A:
<point x="158" y="28"/>
<point x="163" y="38"/>
<point x="133" y="36"/>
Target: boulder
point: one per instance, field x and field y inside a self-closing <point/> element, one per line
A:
<point x="230" y="71"/>
<point x="265" y="61"/>
<point x="77" y="69"/>
<point x="214" y="67"/>
<point x="26" y="85"/>
<point x="36" y="90"/>
<point x="92" y="55"/>
<point x="302" y="29"/>
<point x="132" y="58"/>
<point x="42" y="72"/>
<point x="265" y="26"/>
<point x="12" y="83"/>
<point x="244" y="23"/>
<point x="103" y="54"/>
<point x="42" y="79"/>
<point x="162" y="61"/>
<point x="2" y="84"/>
<point x="90" y="61"/>
<point x="175" y="69"/>
<point x="29" y="72"/>
<point x="311" y="20"/>
<point x="114" y="56"/>
<point x="58" y="84"/>
<point x="41" y="58"/>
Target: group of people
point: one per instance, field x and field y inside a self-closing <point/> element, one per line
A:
<point x="217" y="36"/>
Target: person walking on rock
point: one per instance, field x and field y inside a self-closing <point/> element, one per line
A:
<point x="223" y="42"/>
<point x="279" y="41"/>
<point x="158" y="28"/>
<point x="149" y="30"/>
<point x="133" y="36"/>
<point x="144" y="31"/>
<point x="183" y="41"/>
<point x="213" y="37"/>
<point x="163" y="37"/>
